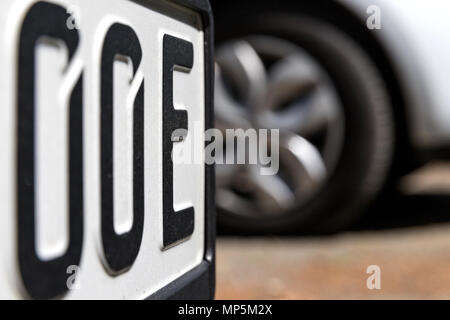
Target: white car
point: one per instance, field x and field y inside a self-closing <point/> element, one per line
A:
<point x="363" y="81"/>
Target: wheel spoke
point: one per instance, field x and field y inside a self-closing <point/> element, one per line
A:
<point x="245" y="69"/>
<point x="228" y="113"/>
<point x="272" y="192"/>
<point x="303" y="162"/>
<point x="305" y="116"/>
<point x="292" y="77"/>
<point x="297" y="97"/>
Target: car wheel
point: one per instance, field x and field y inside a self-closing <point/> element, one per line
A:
<point x="306" y="78"/>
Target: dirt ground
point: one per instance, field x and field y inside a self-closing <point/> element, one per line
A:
<point x="408" y="238"/>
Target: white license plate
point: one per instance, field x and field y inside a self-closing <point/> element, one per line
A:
<point x="91" y="204"/>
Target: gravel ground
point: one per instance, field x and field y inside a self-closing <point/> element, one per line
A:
<point x="409" y="239"/>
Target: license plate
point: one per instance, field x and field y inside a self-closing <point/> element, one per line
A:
<point x="92" y="205"/>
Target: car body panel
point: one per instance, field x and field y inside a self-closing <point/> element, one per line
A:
<point x="414" y="34"/>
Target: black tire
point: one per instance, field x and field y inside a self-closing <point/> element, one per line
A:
<point x="369" y="130"/>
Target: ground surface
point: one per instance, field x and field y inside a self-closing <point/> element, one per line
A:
<point x="408" y="237"/>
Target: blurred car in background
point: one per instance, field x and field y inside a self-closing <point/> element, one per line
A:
<point x="372" y="104"/>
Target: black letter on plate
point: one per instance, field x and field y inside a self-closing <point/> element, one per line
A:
<point x="178" y="225"/>
<point x="46" y="279"/>
<point x="120" y="250"/>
